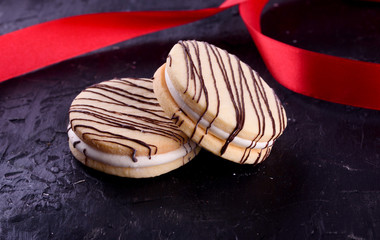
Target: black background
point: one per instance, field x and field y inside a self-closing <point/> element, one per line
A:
<point x="321" y="180"/>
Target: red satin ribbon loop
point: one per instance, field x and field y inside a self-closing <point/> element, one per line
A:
<point x="313" y="74"/>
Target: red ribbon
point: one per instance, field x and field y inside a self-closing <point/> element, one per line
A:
<point x="322" y="76"/>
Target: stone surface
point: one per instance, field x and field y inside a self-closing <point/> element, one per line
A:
<point x="321" y="180"/>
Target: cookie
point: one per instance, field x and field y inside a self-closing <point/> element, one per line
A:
<point x="119" y="128"/>
<point x="219" y="102"/>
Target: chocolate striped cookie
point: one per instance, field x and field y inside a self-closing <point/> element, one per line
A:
<point x="118" y="127"/>
<point x="219" y="102"/>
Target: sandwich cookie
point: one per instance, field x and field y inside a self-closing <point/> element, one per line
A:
<point x="219" y="102"/>
<point x="119" y="128"/>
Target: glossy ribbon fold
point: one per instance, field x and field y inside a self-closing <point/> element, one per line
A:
<point x="322" y="76"/>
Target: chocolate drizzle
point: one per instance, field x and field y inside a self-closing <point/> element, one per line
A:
<point x="75" y="143"/>
<point x="241" y="83"/>
<point x="137" y="111"/>
<point x="170" y="60"/>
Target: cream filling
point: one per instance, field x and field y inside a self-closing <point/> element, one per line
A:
<point x="126" y="161"/>
<point x="238" y="141"/>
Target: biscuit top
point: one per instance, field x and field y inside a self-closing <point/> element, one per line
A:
<point x="123" y="117"/>
<point x="224" y="92"/>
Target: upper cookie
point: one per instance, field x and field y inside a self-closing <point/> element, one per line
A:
<point x="121" y="120"/>
<point x="223" y="96"/>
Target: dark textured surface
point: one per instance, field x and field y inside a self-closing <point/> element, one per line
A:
<point x="321" y="181"/>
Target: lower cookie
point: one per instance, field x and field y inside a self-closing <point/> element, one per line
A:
<point x="138" y="172"/>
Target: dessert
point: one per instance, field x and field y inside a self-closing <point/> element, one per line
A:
<point x="119" y="128"/>
<point x="219" y="102"/>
